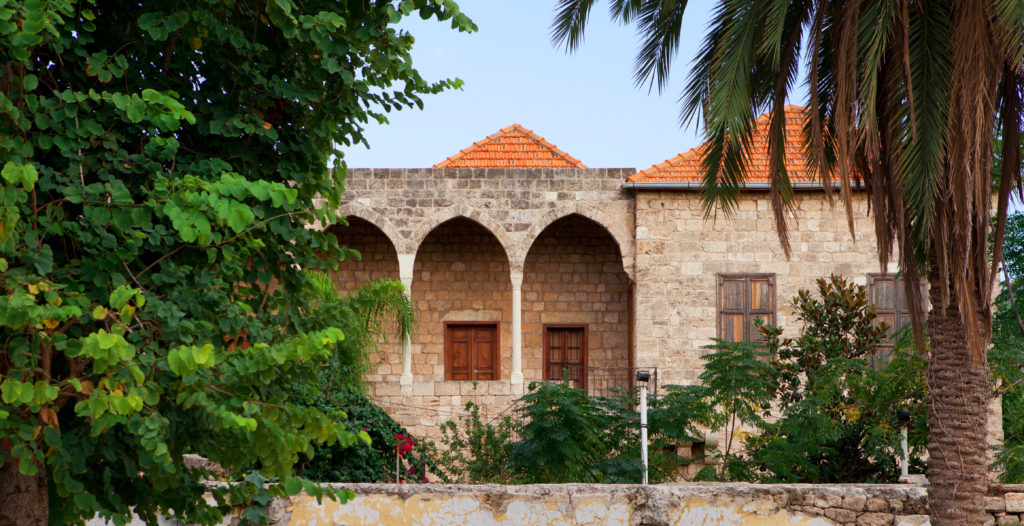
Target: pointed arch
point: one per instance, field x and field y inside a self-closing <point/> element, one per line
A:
<point x="471" y="214"/>
<point x="378" y="220"/>
<point x="617" y="230"/>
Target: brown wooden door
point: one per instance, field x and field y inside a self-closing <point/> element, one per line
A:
<point x="565" y="352"/>
<point x="471" y="352"/>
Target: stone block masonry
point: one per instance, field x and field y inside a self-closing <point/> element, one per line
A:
<point x="707" y="504"/>
<point x="680" y="253"/>
<point x="471" y="245"/>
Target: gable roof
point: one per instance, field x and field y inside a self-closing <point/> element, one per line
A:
<point x="686" y="167"/>
<point x="511" y="147"/>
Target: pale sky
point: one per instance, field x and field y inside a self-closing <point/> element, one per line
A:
<point x="586" y="103"/>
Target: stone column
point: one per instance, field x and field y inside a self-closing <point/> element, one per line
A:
<point x="405" y="264"/>
<point x="517" y="328"/>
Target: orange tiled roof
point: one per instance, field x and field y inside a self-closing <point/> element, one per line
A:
<point x="512" y="147"/>
<point x="686" y="167"/>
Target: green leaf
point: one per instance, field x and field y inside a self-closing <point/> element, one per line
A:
<point x="106" y="340"/>
<point x="100" y="312"/>
<point x="30" y="82"/>
<point x="292" y="485"/>
<point x="10" y="391"/>
<point x="120" y="296"/>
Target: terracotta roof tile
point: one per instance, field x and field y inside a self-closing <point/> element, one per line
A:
<point x="511" y="147"/>
<point x="686" y="167"/>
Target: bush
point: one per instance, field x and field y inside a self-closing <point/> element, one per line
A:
<point x="823" y="414"/>
<point x="480" y="454"/>
<point x="371" y="459"/>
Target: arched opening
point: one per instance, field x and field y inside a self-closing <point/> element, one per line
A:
<point x="576" y="310"/>
<point x="463" y="295"/>
<point x="378" y="260"/>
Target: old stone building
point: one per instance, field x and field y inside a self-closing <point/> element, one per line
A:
<point x="526" y="265"/>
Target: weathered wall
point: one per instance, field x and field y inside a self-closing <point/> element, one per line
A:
<point x="679" y="255"/>
<point x="708" y="504"/>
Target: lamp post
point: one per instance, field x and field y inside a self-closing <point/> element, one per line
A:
<point x="642" y="377"/>
<point x="903" y="420"/>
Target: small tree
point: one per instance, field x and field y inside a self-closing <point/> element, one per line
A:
<point x="479" y="453"/>
<point x="561" y="436"/>
<point x="1005" y="357"/>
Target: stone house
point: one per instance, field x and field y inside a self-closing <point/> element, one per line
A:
<point x="527" y="265"/>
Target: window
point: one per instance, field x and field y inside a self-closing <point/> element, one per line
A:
<point x="741" y="299"/>
<point x="565" y="351"/>
<point x="471" y="351"/>
<point x="886" y="293"/>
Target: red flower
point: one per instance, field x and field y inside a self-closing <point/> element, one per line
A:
<point x="405" y="444"/>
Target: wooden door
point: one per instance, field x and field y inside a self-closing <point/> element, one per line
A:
<point x="565" y="352"/>
<point x="471" y="351"/>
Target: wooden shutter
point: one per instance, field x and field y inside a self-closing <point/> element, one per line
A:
<point x="565" y="349"/>
<point x="886" y="292"/>
<point x="741" y="299"/>
<point x="471" y="351"/>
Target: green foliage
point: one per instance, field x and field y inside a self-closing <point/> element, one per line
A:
<point x="570" y="437"/>
<point x="1006" y="357"/>
<point x="481" y="453"/>
<point x="369" y="460"/>
<point x="364" y="316"/>
<point x="822" y="414"/>
<point x="561" y="435"/>
<point x="160" y="166"/>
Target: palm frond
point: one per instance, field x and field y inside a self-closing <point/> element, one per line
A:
<point x="659" y="25"/>
<point x="570" y="22"/>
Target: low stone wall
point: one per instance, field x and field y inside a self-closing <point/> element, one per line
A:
<point x="707" y="504"/>
<point x="664" y="504"/>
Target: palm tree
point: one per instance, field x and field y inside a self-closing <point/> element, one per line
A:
<point x="912" y="97"/>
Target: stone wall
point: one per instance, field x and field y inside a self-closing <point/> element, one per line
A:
<point x="459" y="239"/>
<point x="515" y="204"/>
<point x="680" y="254"/>
<point x="574" y="275"/>
<point x="708" y="504"/>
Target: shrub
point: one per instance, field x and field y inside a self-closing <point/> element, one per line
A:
<point x="823" y="414"/>
<point x="369" y="460"/>
<point x="480" y="454"/>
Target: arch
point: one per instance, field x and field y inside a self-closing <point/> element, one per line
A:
<point x="373" y="217"/>
<point x="617" y="231"/>
<point x="471" y="214"/>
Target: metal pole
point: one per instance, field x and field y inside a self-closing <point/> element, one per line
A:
<point x="905" y="465"/>
<point x="643" y="428"/>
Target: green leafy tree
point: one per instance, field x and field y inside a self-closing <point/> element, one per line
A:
<point x="906" y="97"/>
<point x="819" y="412"/>
<point x="161" y="164"/>
<point x="1007" y="353"/>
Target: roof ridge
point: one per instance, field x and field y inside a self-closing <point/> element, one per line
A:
<point x="495" y="137"/>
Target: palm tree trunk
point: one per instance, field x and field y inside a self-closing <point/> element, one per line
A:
<point x="957" y="419"/>
<point x="23" y="499"/>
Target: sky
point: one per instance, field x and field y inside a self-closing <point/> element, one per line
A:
<point x="586" y="103"/>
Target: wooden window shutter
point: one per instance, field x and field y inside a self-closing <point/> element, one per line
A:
<point x="471" y="351"/>
<point x="741" y="299"/>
